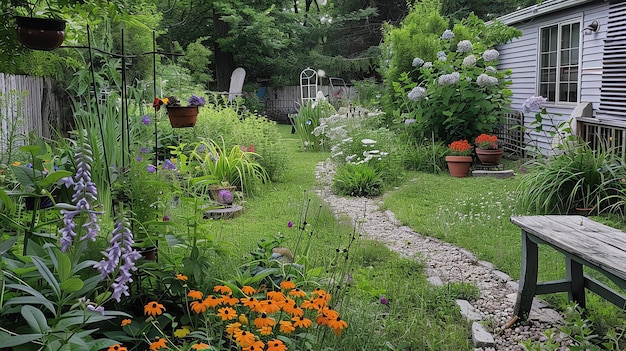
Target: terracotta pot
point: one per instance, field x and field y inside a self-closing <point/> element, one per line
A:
<point x="488" y="156"/>
<point x="182" y="116"/>
<point x="459" y="165"/>
<point x="40" y="33"/>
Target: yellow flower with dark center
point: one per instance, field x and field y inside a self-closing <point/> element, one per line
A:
<point x="117" y="347"/>
<point x="195" y="294"/>
<point x="182" y="277"/>
<point x="248" y="290"/>
<point x="252" y="303"/>
<point x="160" y="343"/>
<point x="326" y="316"/>
<point x="264" y="321"/>
<point x="233" y="328"/>
<point x="125" y="322"/>
<point x="227" y="313"/>
<point x="212" y="301"/>
<point x="309" y="304"/>
<point x="269" y="306"/>
<point x="229" y="300"/>
<point x="276" y="295"/>
<point x="153" y="309"/>
<point x="16" y="163"/>
<point x="200" y="346"/>
<point x="291" y="307"/>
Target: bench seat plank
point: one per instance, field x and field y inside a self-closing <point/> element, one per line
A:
<point x="584" y="242"/>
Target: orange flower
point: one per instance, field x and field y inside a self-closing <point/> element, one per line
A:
<point x="223" y="289"/>
<point x="291" y="307"/>
<point x="212" y="301"/>
<point x="460" y="148"/>
<point x="195" y="294"/>
<point x="244" y="338"/>
<point x="198" y="307"/>
<point x="276" y="345"/>
<point x="269" y="306"/>
<point x="287" y="284"/>
<point x="248" y="290"/>
<point x="255" y="346"/>
<point x="265" y="330"/>
<point x="252" y="303"/>
<point x="153" y="309"/>
<point x="309" y="304"/>
<point x="158" y="344"/>
<point x="200" y="346"/>
<point x="338" y="325"/>
<point x="126" y="322"/>
<point x="229" y="300"/>
<point x="286" y="327"/>
<point x="227" y="313"/>
<point x="182" y="277"/>
<point x="486" y="141"/>
<point x="117" y="347"/>
<point x="243" y="319"/>
<point x="264" y="321"/>
<point x="275" y="295"/>
<point x="301" y="322"/>
<point x="297" y="293"/>
<point x="326" y="316"/>
<point x="233" y="329"/>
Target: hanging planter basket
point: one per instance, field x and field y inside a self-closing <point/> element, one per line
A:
<point x="40" y="33"/>
<point x="182" y="116"/>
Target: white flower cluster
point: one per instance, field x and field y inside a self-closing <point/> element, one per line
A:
<point x="469" y="61"/>
<point x="484" y="80"/>
<point x="417" y="62"/>
<point x="441" y="54"/>
<point x="534" y="103"/>
<point x="417" y="93"/>
<point x="427" y="65"/>
<point x="491" y="69"/>
<point x="464" y="46"/>
<point x="447" y="34"/>
<point x="491" y="55"/>
<point x="449" y="79"/>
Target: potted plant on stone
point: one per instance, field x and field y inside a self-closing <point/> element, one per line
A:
<point x="459" y="159"/>
<point x="181" y="116"/>
<point x="487" y="149"/>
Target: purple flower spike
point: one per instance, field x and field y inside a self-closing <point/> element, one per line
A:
<point x="289" y="224"/>
<point x="138" y="159"/>
<point x="145" y="119"/>
<point x="151" y="169"/>
<point x="384" y="301"/>
<point x="168" y="165"/>
<point x="143" y="150"/>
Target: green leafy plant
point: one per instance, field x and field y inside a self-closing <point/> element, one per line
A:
<point x="307" y="122"/>
<point x="358" y="180"/>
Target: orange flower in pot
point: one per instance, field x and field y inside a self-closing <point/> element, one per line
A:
<point x="487" y="149"/>
<point x="459" y="160"/>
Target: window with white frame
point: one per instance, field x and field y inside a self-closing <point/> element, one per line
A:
<point x="558" y="62"/>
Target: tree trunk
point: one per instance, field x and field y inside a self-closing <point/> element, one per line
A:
<point x="224" y="61"/>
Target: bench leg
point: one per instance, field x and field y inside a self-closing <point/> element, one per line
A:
<point x="575" y="276"/>
<point x="528" y="277"/>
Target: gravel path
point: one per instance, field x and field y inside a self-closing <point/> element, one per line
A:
<point x="446" y="263"/>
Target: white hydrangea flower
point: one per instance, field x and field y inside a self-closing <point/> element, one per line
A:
<point x="443" y="59"/>
<point x="449" y="79"/>
<point x="491" y="69"/>
<point x="417" y="62"/>
<point x="469" y="61"/>
<point x="417" y="93"/>
<point x="491" y="55"/>
<point x="464" y="46"/>
<point x="447" y="34"/>
<point x="440" y="54"/>
<point x="427" y="65"/>
<point x="484" y="80"/>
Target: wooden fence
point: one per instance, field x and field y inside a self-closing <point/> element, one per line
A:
<point x="280" y="103"/>
<point x="28" y="105"/>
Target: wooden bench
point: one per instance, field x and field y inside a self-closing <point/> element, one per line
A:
<point x="584" y="242"/>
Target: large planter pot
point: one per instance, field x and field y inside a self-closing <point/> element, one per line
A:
<point x="182" y="116"/>
<point x="40" y="33"/>
<point x="459" y="166"/>
<point x="489" y="157"/>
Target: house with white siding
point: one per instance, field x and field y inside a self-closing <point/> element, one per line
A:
<point x="572" y="52"/>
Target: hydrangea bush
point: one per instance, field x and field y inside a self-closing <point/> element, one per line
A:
<point x="461" y="93"/>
